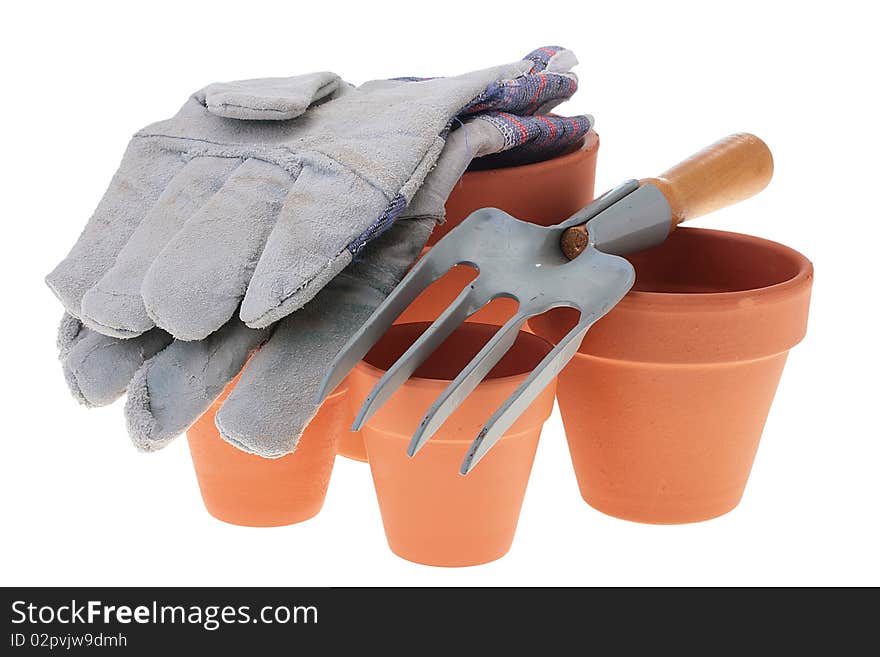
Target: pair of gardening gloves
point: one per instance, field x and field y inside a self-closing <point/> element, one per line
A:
<point x="266" y="221"/>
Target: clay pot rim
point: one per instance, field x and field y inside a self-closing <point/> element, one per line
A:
<point x="687" y="300"/>
<point x="588" y="145"/>
<point x="457" y="441"/>
<point x="340" y="390"/>
<point x="440" y="384"/>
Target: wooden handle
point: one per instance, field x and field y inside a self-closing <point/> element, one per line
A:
<point x="730" y="170"/>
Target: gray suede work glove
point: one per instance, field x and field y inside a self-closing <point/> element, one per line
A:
<point x="172" y="382"/>
<point x="258" y="193"/>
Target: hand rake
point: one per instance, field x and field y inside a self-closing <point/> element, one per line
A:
<point x="576" y="264"/>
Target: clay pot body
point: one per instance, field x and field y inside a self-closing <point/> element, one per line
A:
<point x="244" y="489"/>
<point x="431" y="513"/>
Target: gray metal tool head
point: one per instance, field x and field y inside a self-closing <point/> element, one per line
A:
<point x="524" y="262"/>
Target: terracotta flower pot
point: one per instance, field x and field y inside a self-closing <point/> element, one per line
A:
<point x="666" y="400"/>
<point x="432" y="514"/>
<point x="244" y="489"/>
<point x="543" y="192"/>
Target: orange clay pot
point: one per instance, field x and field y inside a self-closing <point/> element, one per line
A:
<point x="666" y="400"/>
<point x="244" y="489"/>
<point x="544" y="193"/>
<point x="432" y="514"/>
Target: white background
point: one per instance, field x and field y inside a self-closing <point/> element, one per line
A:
<point x="81" y="506"/>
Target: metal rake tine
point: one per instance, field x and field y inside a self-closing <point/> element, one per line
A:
<point x="427" y="270"/>
<point x="525" y="394"/>
<point x="466" y="304"/>
<point x="468" y="379"/>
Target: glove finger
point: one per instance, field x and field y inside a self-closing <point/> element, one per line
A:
<point x="552" y="59"/>
<point x="306" y="248"/>
<point x="276" y="397"/>
<point x="198" y="280"/>
<point x="269" y="99"/>
<point x="179" y="383"/>
<point x="70" y="331"/>
<point x="97" y="368"/>
<point x="145" y="171"/>
<point x="114" y="305"/>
